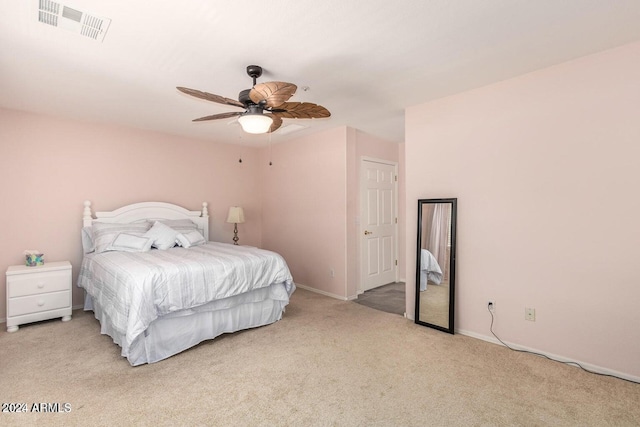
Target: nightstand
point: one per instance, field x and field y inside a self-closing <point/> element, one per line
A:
<point x="38" y="293"/>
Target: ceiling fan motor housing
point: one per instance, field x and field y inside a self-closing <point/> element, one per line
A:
<point x="243" y="97"/>
<point x="253" y="109"/>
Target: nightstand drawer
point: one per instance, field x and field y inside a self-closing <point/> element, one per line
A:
<point x="38" y="303"/>
<point x="38" y="283"/>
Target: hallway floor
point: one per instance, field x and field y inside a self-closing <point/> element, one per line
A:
<point x="389" y="298"/>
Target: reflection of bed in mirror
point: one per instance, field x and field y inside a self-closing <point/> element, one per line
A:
<point x="430" y="271"/>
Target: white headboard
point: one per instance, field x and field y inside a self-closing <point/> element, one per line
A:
<point x="151" y="211"/>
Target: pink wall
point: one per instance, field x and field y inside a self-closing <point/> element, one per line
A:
<point x="49" y="166"/>
<point x="310" y="205"/>
<point x="402" y="215"/>
<point x="353" y="215"/>
<point x="304" y="208"/>
<point x="545" y="168"/>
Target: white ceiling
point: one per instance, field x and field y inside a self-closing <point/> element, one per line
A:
<point x="364" y="60"/>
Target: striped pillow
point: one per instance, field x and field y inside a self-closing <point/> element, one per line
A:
<point x="179" y="224"/>
<point x="105" y="233"/>
<point x="186" y="239"/>
<point x="131" y="243"/>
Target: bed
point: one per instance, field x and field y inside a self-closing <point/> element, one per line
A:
<point x="158" y="286"/>
<point x="430" y="271"/>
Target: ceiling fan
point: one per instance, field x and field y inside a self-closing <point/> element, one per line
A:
<point x="265" y="104"/>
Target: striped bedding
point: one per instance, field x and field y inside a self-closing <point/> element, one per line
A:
<point x="134" y="289"/>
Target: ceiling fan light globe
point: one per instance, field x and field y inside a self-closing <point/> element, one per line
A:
<point x="255" y="123"/>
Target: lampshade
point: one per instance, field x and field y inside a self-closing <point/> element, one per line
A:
<point x="255" y="123"/>
<point x="236" y="215"/>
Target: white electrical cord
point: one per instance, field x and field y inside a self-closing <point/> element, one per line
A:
<point x="547" y="357"/>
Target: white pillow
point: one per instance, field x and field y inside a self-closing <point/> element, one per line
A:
<point x="105" y="233"/>
<point x="187" y="239"/>
<point x="130" y="243"/>
<point x="163" y="236"/>
<point x="87" y="240"/>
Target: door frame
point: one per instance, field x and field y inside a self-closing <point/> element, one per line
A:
<point x="361" y="196"/>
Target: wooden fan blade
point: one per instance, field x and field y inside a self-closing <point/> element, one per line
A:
<point x="303" y="110"/>
<point x="273" y="93"/>
<point x="210" y="97"/>
<point x="277" y="122"/>
<point x="219" y="116"/>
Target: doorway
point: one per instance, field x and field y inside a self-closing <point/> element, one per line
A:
<point x="378" y="223"/>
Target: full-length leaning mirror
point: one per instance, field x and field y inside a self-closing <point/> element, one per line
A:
<point x="436" y="262"/>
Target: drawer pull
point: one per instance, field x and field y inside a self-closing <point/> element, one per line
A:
<point x="40" y="285"/>
<point x="40" y="302"/>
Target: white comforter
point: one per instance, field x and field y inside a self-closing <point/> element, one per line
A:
<point x="134" y="289"/>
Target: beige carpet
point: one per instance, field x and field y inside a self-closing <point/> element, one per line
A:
<point x="327" y="363"/>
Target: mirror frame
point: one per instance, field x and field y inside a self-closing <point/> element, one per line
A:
<point x="452" y="264"/>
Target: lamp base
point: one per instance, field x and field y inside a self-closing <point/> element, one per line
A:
<point x="235" y="234"/>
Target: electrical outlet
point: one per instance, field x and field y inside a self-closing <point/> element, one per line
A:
<point x="491" y="305"/>
<point x="530" y="314"/>
<point x="332" y="272"/>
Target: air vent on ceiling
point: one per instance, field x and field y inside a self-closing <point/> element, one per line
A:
<point x="83" y="23"/>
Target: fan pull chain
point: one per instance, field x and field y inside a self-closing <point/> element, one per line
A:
<point x="270" y="162"/>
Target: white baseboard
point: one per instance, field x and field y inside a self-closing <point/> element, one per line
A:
<point x="318" y="291"/>
<point x="594" y="368"/>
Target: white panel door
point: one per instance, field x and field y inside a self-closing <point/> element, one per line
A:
<point x="378" y="224"/>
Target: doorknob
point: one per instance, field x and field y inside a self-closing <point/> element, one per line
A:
<point x="366" y="233"/>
